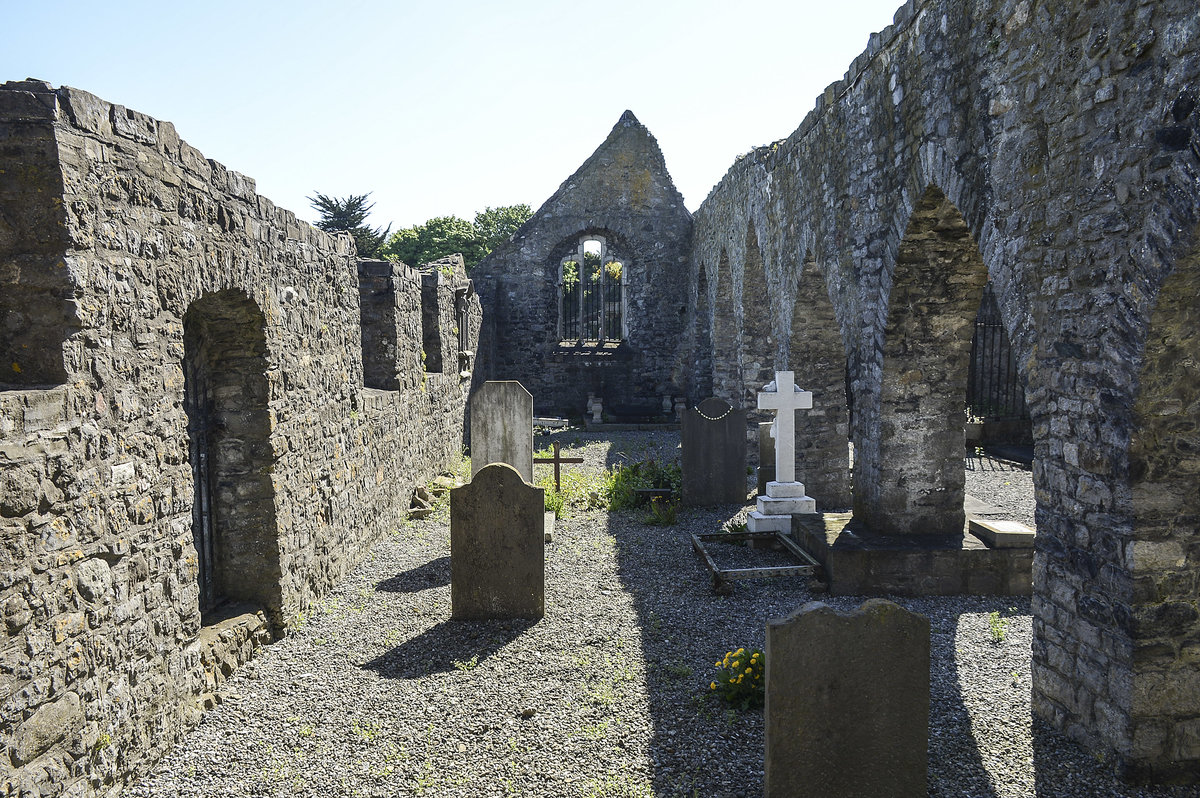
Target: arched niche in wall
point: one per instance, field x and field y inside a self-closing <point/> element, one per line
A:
<point x="757" y="343"/>
<point x="818" y="357"/>
<point x="727" y="377"/>
<point x="225" y="396"/>
<point x="937" y="285"/>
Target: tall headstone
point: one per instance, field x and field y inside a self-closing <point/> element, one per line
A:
<point x="766" y="456"/>
<point x="497" y="545"/>
<point x="502" y="427"/>
<point x="713" y="439"/>
<point x="784" y="496"/>
<point x="847" y="710"/>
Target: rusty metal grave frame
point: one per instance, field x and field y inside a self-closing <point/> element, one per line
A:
<point x="721" y="578"/>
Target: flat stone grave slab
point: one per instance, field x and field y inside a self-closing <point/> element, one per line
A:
<point x="1002" y="534"/>
<point x="802" y="564"/>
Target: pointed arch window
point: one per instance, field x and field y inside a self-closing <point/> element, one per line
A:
<point x="591" y="293"/>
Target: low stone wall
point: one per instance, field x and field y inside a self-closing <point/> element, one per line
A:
<point x="154" y="307"/>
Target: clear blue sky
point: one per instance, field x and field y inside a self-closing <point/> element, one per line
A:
<point x="446" y="107"/>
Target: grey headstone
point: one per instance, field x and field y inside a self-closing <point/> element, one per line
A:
<point x="502" y="427"/>
<point x="497" y="544"/>
<point x="766" y="456"/>
<point x="713" y="438"/>
<point x="847" y="710"/>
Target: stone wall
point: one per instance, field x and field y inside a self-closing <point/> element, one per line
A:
<point x="153" y="309"/>
<point x="1055" y="149"/>
<point x="624" y="194"/>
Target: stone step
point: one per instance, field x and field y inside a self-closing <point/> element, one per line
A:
<point x="770" y="506"/>
<point x="785" y="490"/>
<point x="761" y="522"/>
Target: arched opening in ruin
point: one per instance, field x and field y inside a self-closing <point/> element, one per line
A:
<point x="1164" y="473"/>
<point x="818" y="357"/>
<point x="996" y="408"/>
<point x="702" y="344"/>
<point x="757" y="344"/>
<point x="727" y="380"/>
<point x="591" y="292"/>
<point x="431" y="322"/>
<point x="937" y="285"/>
<point x="225" y="397"/>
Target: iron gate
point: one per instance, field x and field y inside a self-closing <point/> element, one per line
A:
<point x="994" y="389"/>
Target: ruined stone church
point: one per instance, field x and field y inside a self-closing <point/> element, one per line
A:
<point x="209" y="410"/>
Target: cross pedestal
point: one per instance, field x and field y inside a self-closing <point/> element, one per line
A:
<point x="785" y="496"/>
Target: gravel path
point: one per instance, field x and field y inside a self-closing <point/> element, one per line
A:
<point x="379" y="694"/>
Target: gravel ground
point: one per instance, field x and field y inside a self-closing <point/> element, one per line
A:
<point x="379" y="694"/>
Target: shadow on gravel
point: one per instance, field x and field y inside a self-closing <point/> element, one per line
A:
<point x="450" y="645"/>
<point x="435" y="573"/>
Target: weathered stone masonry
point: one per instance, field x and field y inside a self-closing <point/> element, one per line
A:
<point x="1053" y="148"/>
<point x="153" y="306"/>
<point x="623" y="194"/>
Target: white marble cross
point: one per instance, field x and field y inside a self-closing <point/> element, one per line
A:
<point x="784" y="398"/>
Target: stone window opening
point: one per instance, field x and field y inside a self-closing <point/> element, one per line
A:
<point x="462" y="328"/>
<point x="591" y="294"/>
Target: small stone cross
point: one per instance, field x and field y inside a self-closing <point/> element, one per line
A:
<point x="558" y="460"/>
<point x="784" y="398"/>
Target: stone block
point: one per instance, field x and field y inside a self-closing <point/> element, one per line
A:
<point x="785" y="490"/>
<point x="502" y="427"/>
<point x="847" y="710"/>
<point x="770" y="506"/>
<point x="497" y="541"/>
<point x="761" y="522"/>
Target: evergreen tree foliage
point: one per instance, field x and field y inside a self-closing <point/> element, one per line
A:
<point x="349" y="214"/>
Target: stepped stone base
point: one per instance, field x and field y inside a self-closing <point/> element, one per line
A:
<point x="860" y="563"/>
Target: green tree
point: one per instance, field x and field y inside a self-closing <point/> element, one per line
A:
<point x="437" y="238"/>
<point x="349" y="215"/>
<point x="445" y="235"/>
<point x="494" y="226"/>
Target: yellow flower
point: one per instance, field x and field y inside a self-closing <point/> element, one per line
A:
<point x="712" y="685"/>
<point x="749" y="670"/>
<point x="717" y="664"/>
<point x="741" y="651"/>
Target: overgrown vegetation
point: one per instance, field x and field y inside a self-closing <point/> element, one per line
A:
<point x="622" y="482"/>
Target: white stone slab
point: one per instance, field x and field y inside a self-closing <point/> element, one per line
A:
<point x="1002" y="534"/>
<point x="785" y="399"/>
<point x="760" y="522"/>
<point x="802" y="504"/>
<point x="785" y="490"/>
